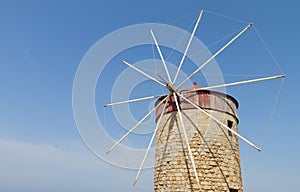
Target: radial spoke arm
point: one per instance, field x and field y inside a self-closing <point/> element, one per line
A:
<point x="216" y="54"/>
<point x="220" y="123"/>
<point x="150" y="143"/>
<point x="186" y="140"/>
<point x="133" y="100"/>
<point x="143" y="73"/>
<point x="160" y="54"/>
<point x="159" y="76"/>
<point x="134" y="127"/>
<point x="188" y="46"/>
<point x="237" y="83"/>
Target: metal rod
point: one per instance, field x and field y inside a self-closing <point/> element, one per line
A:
<point x="133" y="100"/>
<point x="143" y="73"/>
<point x="216" y="54"/>
<point x="188" y="46"/>
<point x="136" y="125"/>
<point x="237" y="83"/>
<point x="150" y="143"/>
<point x="187" y="140"/>
<point x="158" y="75"/>
<point x="220" y="123"/>
<point x="160" y="54"/>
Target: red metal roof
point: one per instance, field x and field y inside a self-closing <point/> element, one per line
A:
<point x="205" y="99"/>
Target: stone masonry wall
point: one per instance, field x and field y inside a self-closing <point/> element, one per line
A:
<point x="215" y="151"/>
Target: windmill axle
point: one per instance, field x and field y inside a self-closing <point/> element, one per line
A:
<point x="170" y="87"/>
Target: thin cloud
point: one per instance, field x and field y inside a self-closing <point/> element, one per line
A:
<point x="44" y="167"/>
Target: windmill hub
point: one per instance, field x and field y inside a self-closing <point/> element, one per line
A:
<point x="170" y="87"/>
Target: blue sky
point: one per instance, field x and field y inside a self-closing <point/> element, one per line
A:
<point x="41" y="46"/>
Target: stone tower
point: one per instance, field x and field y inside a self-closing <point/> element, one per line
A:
<point x="215" y="150"/>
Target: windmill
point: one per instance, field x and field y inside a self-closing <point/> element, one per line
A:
<point x="182" y="117"/>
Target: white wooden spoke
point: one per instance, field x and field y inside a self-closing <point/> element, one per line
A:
<point x="151" y="141"/>
<point x="237" y="83"/>
<point x="186" y="140"/>
<point x="188" y="46"/>
<point x="136" y="125"/>
<point x="220" y="123"/>
<point x="134" y="100"/>
<point x="160" y="54"/>
<point x="216" y="54"/>
<point x="143" y="73"/>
